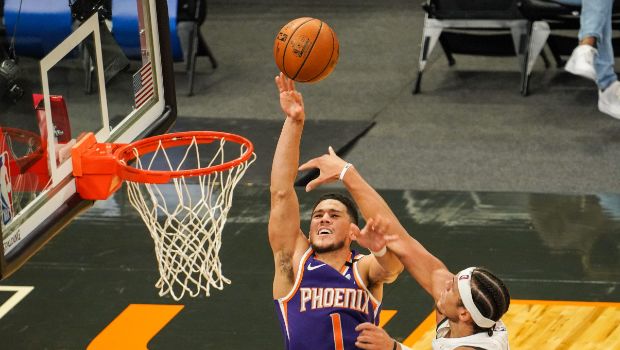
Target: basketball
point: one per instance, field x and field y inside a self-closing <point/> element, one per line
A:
<point x="306" y="50"/>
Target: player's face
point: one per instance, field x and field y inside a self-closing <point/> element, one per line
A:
<point x="330" y="226"/>
<point x="449" y="300"/>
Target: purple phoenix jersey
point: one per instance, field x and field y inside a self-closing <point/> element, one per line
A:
<point x="325" y="305"/>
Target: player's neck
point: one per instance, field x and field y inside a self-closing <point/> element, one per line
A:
<point x="336" y="258"/>
<point x="460" y="329"/>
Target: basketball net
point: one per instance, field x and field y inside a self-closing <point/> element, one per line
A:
<point x="187" y="229"/>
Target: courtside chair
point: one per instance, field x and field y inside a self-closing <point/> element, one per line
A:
<point x="471" y="27"/>
<point x="191" y="15"/>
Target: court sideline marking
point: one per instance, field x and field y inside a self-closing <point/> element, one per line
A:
<point x="20" y="293"/>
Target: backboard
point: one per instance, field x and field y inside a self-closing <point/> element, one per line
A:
<point x="96" y="66"/>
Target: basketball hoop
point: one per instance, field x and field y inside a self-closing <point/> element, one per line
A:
<point x="182" y="186"/>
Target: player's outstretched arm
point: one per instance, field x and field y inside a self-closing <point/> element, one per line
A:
<point x="285" y="237"/>
<point x="424" y="267"/>
<point x="429" y="271"/>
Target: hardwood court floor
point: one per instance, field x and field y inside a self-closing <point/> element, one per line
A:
<point x="544" y="324"/>
<point x="101" y="270"/>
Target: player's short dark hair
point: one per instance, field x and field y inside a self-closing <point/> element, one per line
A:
<point x="490" y="296"/>
<point x="348" y="202"/>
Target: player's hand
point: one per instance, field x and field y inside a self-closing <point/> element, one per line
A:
<point x="372" y="236"/>
<point x="291" y="101"/>
<point x="329" y="165"/>
<point x="373" y="337"/>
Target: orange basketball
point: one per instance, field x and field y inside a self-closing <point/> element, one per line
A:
<point x="306" y="50"/>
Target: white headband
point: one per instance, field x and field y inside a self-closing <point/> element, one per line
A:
<point x="464" y="283"/>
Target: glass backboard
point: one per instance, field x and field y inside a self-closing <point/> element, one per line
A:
<point x="67" y="69"/>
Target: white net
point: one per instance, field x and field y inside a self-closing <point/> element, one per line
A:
<point x="186" y="216"/>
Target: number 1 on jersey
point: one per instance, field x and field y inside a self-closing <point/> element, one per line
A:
<point x="337" y="327"/>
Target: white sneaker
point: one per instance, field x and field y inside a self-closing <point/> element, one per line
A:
<point x="581" y="62"/>
<point x="609" y="100"/>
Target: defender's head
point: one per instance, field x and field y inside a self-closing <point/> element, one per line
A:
<point x="475" y="296"/>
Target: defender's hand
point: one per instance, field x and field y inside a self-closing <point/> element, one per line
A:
<point x="373" y="337"/>
<point x="329" y="165"/>
<point x="372" y="236"/>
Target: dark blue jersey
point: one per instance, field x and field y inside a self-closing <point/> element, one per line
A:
<point x="325" y="305"/>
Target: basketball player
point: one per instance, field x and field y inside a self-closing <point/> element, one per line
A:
<point x="469" y="305"/>
<point x="322" y="289"/>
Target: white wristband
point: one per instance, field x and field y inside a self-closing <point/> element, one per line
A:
<point x="344" y="171"/>
<point x="380" y="253"/>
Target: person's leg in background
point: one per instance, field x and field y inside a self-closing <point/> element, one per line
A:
<point x="594" y="57"/>
<point x="581" y="61"/>
<point x="596" y="30"/>
<point x="596" y="23"/>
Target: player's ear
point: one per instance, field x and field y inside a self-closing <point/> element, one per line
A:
<point x="464" y="315"/>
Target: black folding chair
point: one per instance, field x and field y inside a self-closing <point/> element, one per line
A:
<point x="472" y="27"/>
<point x="191" y="15"/>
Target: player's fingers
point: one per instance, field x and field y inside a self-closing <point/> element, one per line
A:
<point x="371" y="223"/>
<point x="314" y="184"/>
<point x="286" y="82"/>
<point x="364" y="326"/>
<point x="284" y="78"/>
<point x="310" y="186"/>
<point x="291" y="84"/>
<point x="279" y="83"/>
<point x="367" y="340"/>
<point x="384" y="226"/>
<point x="381" y="224"/>
<point x="311" y="164"/>
<point x="379" y="219"/>
<point x="373" y="332"/>
<point x="331" y="151"/>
